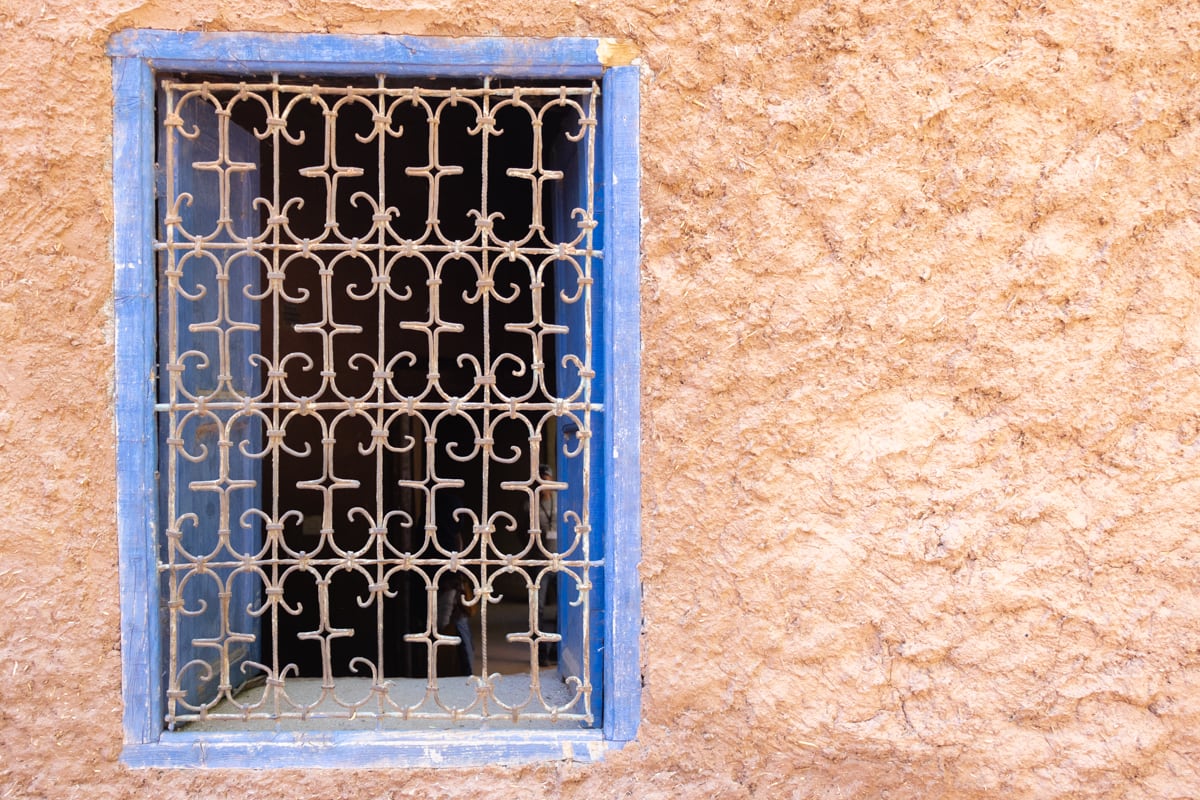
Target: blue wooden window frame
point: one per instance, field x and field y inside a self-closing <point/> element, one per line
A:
<point x="136" y="56"/>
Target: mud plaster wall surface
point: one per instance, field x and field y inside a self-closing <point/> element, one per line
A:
<point x="920" y="433"/>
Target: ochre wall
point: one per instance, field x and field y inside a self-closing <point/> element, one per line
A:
<point x="920" y="433"/>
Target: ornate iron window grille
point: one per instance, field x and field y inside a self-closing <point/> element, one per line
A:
<point x="457" y="331"/>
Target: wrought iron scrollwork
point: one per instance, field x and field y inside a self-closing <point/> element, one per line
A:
<point x="333" y="363"/>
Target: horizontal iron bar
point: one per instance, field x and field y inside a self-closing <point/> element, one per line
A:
<point x="365" y="245"/>
<point x="191" y="566"/>
<point x="368" y="405"/>
<point x="415" y="92"/>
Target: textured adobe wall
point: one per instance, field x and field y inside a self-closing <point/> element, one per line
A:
<point x="920" y="444"/>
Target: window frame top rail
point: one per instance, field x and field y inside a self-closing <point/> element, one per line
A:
<point x="348" y="54"/>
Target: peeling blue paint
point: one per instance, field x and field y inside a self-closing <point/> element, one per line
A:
<point x="136" y="55"/>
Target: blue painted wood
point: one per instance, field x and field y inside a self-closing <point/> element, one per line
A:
<point x="601" y="362"/>
<point x="366" y="749"/>
<point x="136" y="55"/>
<point x="327" y="54"/>
<point x="622" y="336"/>
<point x="133" y="301"/>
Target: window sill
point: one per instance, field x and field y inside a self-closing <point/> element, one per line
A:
<point x="366" y="749"/>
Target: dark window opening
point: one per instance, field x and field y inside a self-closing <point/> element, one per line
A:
<point x="374" y="333"/>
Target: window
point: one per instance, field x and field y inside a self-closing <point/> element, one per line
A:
<point x="377" y="343"/>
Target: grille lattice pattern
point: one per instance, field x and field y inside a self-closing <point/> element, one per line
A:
<point x="376" y="325"/>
